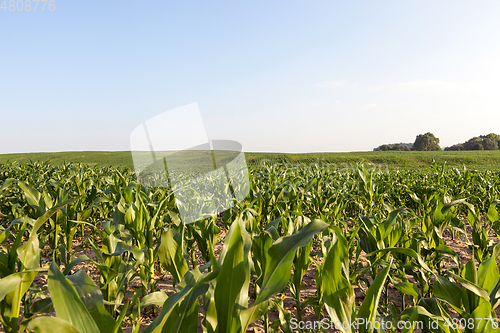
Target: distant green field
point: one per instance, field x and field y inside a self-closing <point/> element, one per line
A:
<point x="98" y="158"/>
<point x="481" y="160"/>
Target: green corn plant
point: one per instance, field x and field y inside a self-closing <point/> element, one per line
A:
<point x="16" y="280"/>
<point x="230" y="289"/>
<point x="300" y="265"/>
<point x="37" y="205"/>
<point x="376" y="235"/>
<point x="7" y="204"/>
<point x="332" y="279"/>
<point x="144" y="226"/>
<point x="427" y="310"/>
<point x="172" y="254"/>
<point x="80" y="184"/>
<point x="179" y="312"/>
<point x="261" y="244"/>
<point x="79" y="306"/>
<point x="60" y="229"/>
<point x="406" y="288"/>
<point x="279" y="258"/>
<point x="226" y="302"/>
<point x="494" y="217"/>
<point x="432" y="316"/>
<point x="445" y="216"/>
<point x="481" y="243"/>
<point x="369" y="196"/>
<point x="205" y="234"/>
<point x="337" y="292"/>
<point x="476" y="301"/>
<point x="19" y="267"/>
<point x="284" y="318"/>
<point x="117" y="260"/>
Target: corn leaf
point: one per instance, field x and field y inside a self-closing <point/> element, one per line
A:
<point x="67" y="302"/>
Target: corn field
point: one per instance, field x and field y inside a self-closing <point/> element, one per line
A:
<point x="386" y="234"/>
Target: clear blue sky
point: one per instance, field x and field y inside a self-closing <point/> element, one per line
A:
<point x="290" y="76"/>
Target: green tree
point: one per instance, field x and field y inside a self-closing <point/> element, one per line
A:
<point x="393" y="147"/>
<point x="482" y="142"/>
<point x="456" y="147"/>
<point x="491" y="141"/>
<point x="476" y="143"/>
<point x="426" y="142"/>
<point x="490" y="144"/>
<point x="400" y="147"/>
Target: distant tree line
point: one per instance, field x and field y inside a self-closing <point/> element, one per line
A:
<point x="425" y="141"/>
<point x="428" y="142"/>
<point x="395" y="147"/>
<point x="482" y="142"/>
